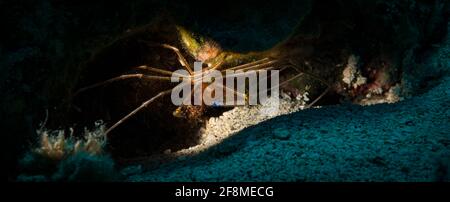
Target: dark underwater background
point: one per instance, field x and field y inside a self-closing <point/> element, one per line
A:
<point x="46" y="45"/>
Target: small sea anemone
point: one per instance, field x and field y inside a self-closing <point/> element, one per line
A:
<point x="56" y="145"/>
<point x="60" y="156"/>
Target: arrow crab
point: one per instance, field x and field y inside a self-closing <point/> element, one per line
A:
<point x="148" y="85"/>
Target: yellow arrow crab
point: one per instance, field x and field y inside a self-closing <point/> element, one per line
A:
<point x="156" y="73"/>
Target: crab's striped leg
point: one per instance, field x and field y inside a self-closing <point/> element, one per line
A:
<point x="249" y="64"/>
<point x="122" y="77"/>
<point x="181" y="58"/>
<point x="143" y="105"/>
<point x="177" y="51"/>
<point x="161" y="71"/>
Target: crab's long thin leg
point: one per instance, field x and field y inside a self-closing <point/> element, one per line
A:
<point x="294" y="65"/>
<point x="166" y="72"/>
<point x="311" y="75"/>
<point x="161" y="71"/>
<point x="143" y="105"/>
<point x="288" y="80"/>
<point x="317" y="78"/>
<point x="242" y="95"/>
<point x="199" y="76"/>
<point x="122" y="77"/>
<point x="181" y="58"/>
<point x="318" y="98"/>
<point x="258" y="66"/>
<point x="249" y="64"/>
<point x="301" y="73"/>
<point x="261" y="66"/>
<point x="243" y="73"/>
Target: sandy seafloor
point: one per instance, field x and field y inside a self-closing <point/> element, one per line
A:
<point x="404" y="141"/>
